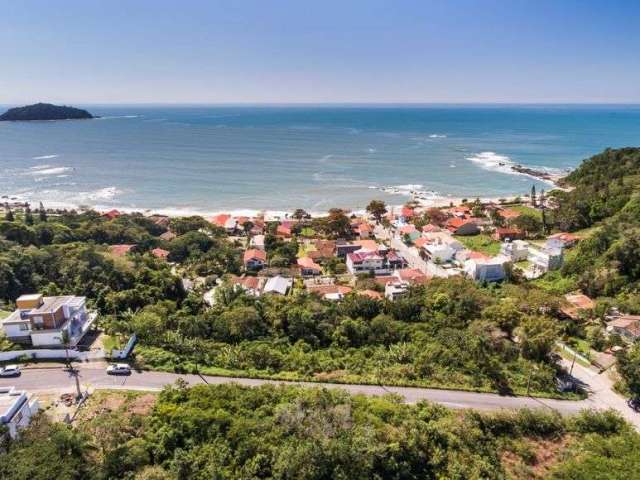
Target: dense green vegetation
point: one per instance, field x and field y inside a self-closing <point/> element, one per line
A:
<point x="606" y="192"/>
<point x="232" y="432"/>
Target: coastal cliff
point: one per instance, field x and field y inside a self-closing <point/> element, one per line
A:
<point x="44" y="111"/>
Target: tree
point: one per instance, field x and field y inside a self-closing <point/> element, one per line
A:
<point x="533" y="196"/>
<point x="300" y="214"/>
<point x="337" y="224"/>
<point x="629" y="368"/>
<point x="377" y="209"/>
<point x="537" y="335"/>
<point x="28" y="216"/>
<point x="42" y="213"/>
<point x="8" y="216"/>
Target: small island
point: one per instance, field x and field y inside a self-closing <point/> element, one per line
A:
<point x="44" y="111"/>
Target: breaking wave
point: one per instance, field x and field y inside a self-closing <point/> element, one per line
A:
<point x="45" y="157"/>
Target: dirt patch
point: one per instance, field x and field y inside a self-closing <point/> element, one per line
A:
<point x="141" y="405"/>
<point x="534" y="458"/>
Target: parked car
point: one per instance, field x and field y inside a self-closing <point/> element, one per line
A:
<point x="119" y="369"/>
<point x="634" y="403"/>
<point x="10" y="371"/>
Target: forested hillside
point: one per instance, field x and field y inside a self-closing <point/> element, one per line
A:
<point x="231" y="432"/>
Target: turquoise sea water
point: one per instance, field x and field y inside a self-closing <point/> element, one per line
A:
<point x="220" y="158"/>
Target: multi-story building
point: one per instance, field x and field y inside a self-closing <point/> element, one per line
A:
<point x="46" y="321"/>
<point x="377" y="262"/>
<point x="517" y="251"/>
<point x="16" y="409"/>
<point x="545" y="258"/>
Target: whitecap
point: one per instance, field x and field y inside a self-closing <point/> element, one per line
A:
<point x="44" y="157"/>
<point x="48" y="170"/>
<point x="437" y="135"/>
<point x="493" y="162"/>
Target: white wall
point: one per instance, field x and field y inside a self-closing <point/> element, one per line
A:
<point x="42" y="354"/>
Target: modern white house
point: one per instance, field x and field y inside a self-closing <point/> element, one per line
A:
<point x="16" y="409"/>
<point x="278" y="285"/>
<point x="517" y="251"/>
<point x="396" y="289"/>
<point x="545" y="258"/>
<point x="45" y="321"/>
<point x="486" y="270"/>
<point x="439" y="252"/>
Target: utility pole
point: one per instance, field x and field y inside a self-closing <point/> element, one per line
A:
<point x="573" y="363"/>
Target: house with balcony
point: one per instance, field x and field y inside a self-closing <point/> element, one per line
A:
<point x="46" y="321"/>
<point x="517" y="251"/>
<point x="545" y="258"/>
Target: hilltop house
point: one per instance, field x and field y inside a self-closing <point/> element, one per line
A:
<point x="395" y="289"/>
<point x="278" y="285"/>
<point x="486" y="270"/>
<point x="45" y="321"/>
<point x="160" y="253"/>
<point x="577" y="304"/>
<point x="627" y="326"/>
<point x="562" y="240"/>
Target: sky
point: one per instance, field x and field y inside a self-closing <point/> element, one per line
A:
<point x="303" y="51"/>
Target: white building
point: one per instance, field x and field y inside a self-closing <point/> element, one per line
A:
<point x="486" y="270"/>
<point x="44" y="321"/>
<point x="278" y="285"/>
<point x="439" y="252"/>
<point x="257" y="241"/>
<point x="545" y="258"/>
<point x="517" y="251"/>
<point x="394" y="290"/>
<point x="16" y="409"/>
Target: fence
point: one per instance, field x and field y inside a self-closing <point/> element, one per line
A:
<point x="41" y="354"/>
<point x="126" y="351"/>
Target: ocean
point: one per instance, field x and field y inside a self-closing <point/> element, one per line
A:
<point x="206" y="159"/>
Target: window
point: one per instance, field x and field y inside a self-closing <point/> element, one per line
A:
<point x="24" y="327"/>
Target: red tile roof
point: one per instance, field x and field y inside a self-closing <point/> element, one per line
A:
<point x="160" y="253"/>
<point x="412" y="275"/>
<point x="111" y="214"/>
<point x="408" y="212"/>
<point x="329" y="289"/>
<point x="371" y="294"/>
<point x="254" y="254"/>
<point x="309" y="264"/>
<point x="430" y="228"/>
<point x="120" y="250"/>
<point x="509" y="214"/>
<point x="420" y="242"/>
<point x="221" y="220"/>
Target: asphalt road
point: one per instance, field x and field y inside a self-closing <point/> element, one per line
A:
<point x="53" y="380"/>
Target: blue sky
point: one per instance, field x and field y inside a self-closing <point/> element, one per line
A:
<point x="123" y="51"/>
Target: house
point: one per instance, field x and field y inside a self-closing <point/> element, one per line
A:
<point x="111" y="214"/>
<point x="407" y="229"/>
<point x="226" y="221"/>
<point x="324" y="250"/>
<point x="486" y="270"/>
<point x="121" y="250"/>
<point x="254" y="259"/>
<point x="160" y="253"/>
<point x="462" y="226"/>
<point x="545" y="258"/>
<point x="278" y="285"/>
<point x="461" y="211"/>
<point x="16" y="409"/>
<point x="308" y="267"/>
<point x="249" y="284"/>
<point x="343" y="248"/>
<point x="46" y="321"/>
<point x="395" y="289"/>
<point x="444" y="237"/>
<point x="407" y="213"/>
<point x="503" y="233"/>
<point x="438" y="252"/>
<point x="330" y="292"/>
<point x="627" y="326"/>
<point x="285" y="229"/>
<point x="363" y="261"/>
<point x="168" y="236"/>
<point x="160" y="220"/>
<point x="411" y="237"/>
<point x="576" y="305"/>
<point x="363" y="230"/>
<point x="562" y="240"/>
<point x="257" y="241"/>
<point x="370" y="246"/>
<point x="517" y="251"/>
<point x="429" y="228"/>
<point x="412" y="276"/>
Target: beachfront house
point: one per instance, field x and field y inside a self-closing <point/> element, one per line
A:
<point x="545" y="258"/>
<point x="278" y="285"/>
<point x="16" y="409"/>
<point x="46" y="321"/>
<point x="517" y="251"/>
<point x="254" y="259"/>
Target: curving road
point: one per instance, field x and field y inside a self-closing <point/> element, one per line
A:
<point x="54" y="380"/>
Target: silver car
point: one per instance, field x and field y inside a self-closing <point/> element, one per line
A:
<point x="10" y="371"/>
<point x="119" y="369"/>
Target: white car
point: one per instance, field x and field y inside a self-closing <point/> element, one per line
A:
<point x="10" y="371"/>
<point x="118" y="369"/>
